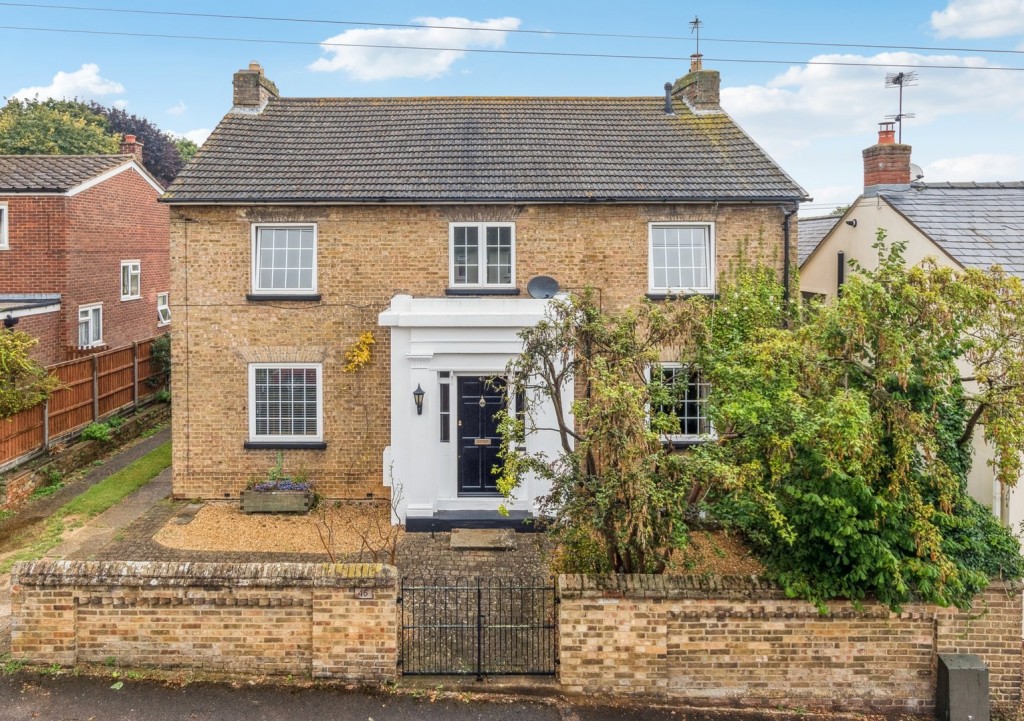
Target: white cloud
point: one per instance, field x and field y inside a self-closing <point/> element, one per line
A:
<point x="979" y="167"/>
<point x="197" y="136"/>
<point x="832" y="196"/>
<point x="84" y="83"/>
<point x="382" y="63"/>
<point x="811" y="102"/>
<point x="979" y="19"/>
<point x="177" y="109"/>
<point x="120" y="104"/>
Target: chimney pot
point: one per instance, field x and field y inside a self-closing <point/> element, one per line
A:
<point x="252" y="89"/>
<point x="695" y="62"/>
<point x="131" y="146"/>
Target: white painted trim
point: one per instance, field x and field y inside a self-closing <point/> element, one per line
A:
<point x="254" y="259"/>
<point x="319" y="367"/>
<point x="130" y="164"/>
<point x="37" y="310"/>
<point x="481" y="253"/>
<point x="159" y="321"/>
<point x="712" y="258"/>
<point x="5" y="243"/>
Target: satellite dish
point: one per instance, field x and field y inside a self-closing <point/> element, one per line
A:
<point x="915" y="172"/>
<point x="542" y="286"/>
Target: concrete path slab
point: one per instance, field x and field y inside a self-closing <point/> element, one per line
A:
<point x="483" y="539"/>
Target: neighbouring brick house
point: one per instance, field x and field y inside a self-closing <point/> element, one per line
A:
<point x="84" y="259"/>
<point x="304" y="222"/>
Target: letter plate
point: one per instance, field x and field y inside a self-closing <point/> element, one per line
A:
<point x="482" y="442"/>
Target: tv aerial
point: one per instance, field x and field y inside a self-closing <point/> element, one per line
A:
<point x="900" y="80"/>
<point x="542" y="286"/>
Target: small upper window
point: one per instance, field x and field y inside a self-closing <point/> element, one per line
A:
<point x="131" y="279"/>
<point x="284" y="259"/>
<point x="90" y="325"/>
<point x="690" y="394"/>
<point x="163" y="308"/>
<point x="482" y="254"/>
<point x="3" y="226"/>
<point x="682" y="258"/>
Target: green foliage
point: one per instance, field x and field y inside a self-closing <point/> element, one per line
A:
<point x="53" y="127"/>
<point x="23" y="382"/>
<point x="186" y="149"/>
<point x="618" y="496"/>
<point x="844" y="433"/>
<point x="112" y="489"/>
<point x="160" y="152"/>
<point x="96" y="432"/>
<point x="161" y="360"/>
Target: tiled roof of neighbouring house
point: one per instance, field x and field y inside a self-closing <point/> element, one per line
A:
<point x="479" y="149"/>
<point x="978" y="224"/>
<point x="811" y="231"/>
<point x="53" y="173"/>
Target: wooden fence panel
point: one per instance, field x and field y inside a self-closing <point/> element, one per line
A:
<point x="74" y="405"/>
<point x="21" y="433"/>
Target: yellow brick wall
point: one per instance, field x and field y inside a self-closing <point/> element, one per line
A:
<point x="366" y="255"/>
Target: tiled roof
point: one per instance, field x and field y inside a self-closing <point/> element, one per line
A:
<point x="811" y="231"/>
<point x="479" y="149"/>
<point x="978" y="224"/>
<point x="53" y="173"/>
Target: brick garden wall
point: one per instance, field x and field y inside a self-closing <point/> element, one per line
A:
<point x="320" y="620"/>
<point x="366" y="255"/>
<point x="740" y="641"/>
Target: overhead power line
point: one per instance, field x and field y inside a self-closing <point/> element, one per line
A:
<point x="522" y="31"/>
<point x="495" y="51"/>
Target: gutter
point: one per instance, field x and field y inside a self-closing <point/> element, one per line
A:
<point x="785" y="252"/>
<point x="171" y="200"/>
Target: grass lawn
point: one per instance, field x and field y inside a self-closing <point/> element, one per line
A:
<point x="94" y="501"/>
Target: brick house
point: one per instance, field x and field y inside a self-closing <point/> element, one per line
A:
<point x="304" y="222"/>
<point x="84" y="261"/>
<point x="959" y="225"/>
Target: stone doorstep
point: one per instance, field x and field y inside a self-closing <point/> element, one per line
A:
<point x="185" y="516"/>
<point x="483" y="539"/>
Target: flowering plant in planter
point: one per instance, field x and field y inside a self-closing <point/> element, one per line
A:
<point x="278" y="493"/>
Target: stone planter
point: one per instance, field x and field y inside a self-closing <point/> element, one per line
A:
<point x="276" y="501"/>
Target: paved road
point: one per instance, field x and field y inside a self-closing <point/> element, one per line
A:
<point x="70" y="698"/>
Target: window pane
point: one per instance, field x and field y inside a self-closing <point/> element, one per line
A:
<point x="679" y="257"/>
<point x="285" y="258"/>
<point x="83" y="333"/>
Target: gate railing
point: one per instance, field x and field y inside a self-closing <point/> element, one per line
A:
<point x="478" y="626"/>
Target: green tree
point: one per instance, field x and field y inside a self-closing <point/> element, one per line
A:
<point x="160" y="152"/>
<point x="51" y="127"/>
<point x="844" y="435"/>
<point x="23" y="382"/>
<point x="186" y="149"/>
<point x="618" y="496"/>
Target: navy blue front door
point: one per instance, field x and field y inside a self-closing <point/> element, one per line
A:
<point x="479" y="400"/>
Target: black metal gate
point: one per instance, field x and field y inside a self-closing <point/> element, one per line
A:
<point x="478" y="626"/>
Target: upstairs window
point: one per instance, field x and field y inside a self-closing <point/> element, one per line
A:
<point x="284" y="259"/>
<point x="163" y="308"/>
<point x="682" y="258"/>
<point x="690" y="406"/>
<point x="90" y="325"/>
<point x="482" y="255"/>
<point x="131" y="279"/>
<point x="3" y="226"/>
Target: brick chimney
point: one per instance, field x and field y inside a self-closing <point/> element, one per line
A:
<point x="887" y="163"/>
<point x="131" y="146"/>
<point x="699" y="88"/>
<point x="252" y="90"/>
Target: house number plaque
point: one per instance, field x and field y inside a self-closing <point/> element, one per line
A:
<point x="364" y="594"/>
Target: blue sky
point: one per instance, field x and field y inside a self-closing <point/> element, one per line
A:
<point x="814" y="119"/>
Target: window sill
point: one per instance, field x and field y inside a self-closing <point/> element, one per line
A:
<point x="125" y="298"/>
<point x="681" y="295"/>
<point x="469" y="292"/>
<point x="680" y="442"/>
<point x="313" y="297"/>
<point x="163" y="325"/>
<point x="285" y="445"/>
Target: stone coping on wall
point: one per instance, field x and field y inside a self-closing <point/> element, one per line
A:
<point x="183" y="574"/>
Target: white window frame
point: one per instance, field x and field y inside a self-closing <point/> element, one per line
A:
<point x="4" y="214"/>
<point x="165" y="306"/>
<point x="254" y="438"/>
<point x="687" y="438"/>
<point x="134" y="270"/>
<point x="89" y="310"/>
<point x="481" y="254"/>
<point x="709" y="250"/>
<point x="255" y="265"/>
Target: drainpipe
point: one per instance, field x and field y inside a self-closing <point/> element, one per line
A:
<point x="785" y="252"/>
